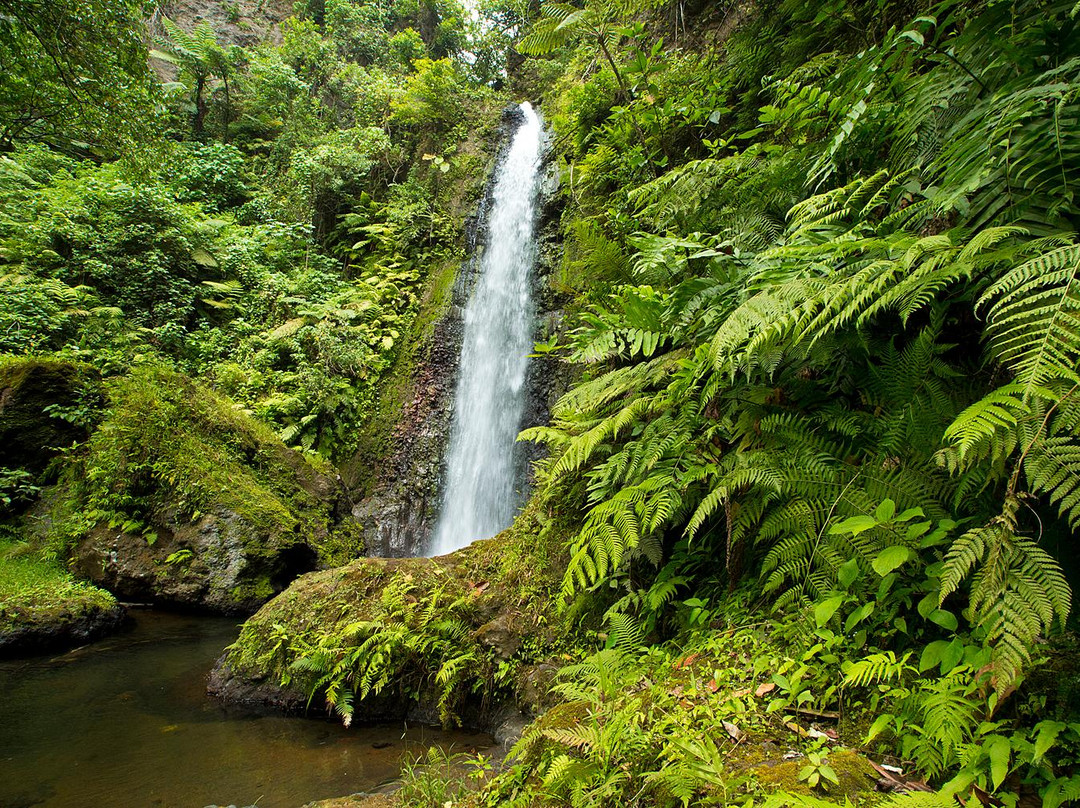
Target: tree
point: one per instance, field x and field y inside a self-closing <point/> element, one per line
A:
<point x="598" y="21"/>
<point x="199" y="58"/>
<point x="73" y="73"/>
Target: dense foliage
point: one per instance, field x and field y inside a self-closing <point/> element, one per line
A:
<point x="275" y="240"/>
<point x="832" y="361"/>
<point x="232" y="236"/>
<point x="819" y="475"/>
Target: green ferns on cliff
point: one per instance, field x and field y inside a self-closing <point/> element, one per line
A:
<point x="833" y="357"/>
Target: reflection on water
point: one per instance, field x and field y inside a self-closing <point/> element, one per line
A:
<point x="126" y="722"/>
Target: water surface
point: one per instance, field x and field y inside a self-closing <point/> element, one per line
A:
<point x="126" y="723"/>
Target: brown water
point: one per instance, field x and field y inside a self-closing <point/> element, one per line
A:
<point x="125" y="723"/>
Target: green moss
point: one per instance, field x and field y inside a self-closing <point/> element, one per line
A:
<point x="398" y="385"/>
<point x="343" y="543"/>
<point x="45" y="405"/>
<point x="427" y="612"/>
<point x="856" y="776"/>
<point x="261" y="589"/>
<point x="38" y="593"/>
<point x="170" y="448"/>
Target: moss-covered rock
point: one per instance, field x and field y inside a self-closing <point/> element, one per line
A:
<point x="455" y="633"/>
<point x="357" y="801"/>
<point x="42" y="607"/>
<point x="45" y="405"/>
<point x="772" y="772"/>
<point x="180" y="497"/>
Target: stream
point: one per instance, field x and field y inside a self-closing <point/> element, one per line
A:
<point x="126" y="723"/>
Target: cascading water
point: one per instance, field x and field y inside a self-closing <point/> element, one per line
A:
<point x="479" y="493"/>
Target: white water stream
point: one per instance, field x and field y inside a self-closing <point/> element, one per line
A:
<point x="480" y="494"/>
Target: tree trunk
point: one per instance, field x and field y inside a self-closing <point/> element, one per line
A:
<point x="200" y="106"/>
<point x="624" y="93"/>
<point x="227" y="113"/>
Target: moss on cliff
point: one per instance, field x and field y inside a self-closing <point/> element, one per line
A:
<point x="402" y="388"/>
<point x="45" y="406"/>
<point x="167" y="442"/>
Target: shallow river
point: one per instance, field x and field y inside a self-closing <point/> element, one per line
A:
<point x="125" y="723"/>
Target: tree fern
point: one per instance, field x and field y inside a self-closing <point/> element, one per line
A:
<point x="1033" y="318"/>
<point x="1018" y="592"/>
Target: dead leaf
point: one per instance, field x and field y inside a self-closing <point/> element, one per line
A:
<point x="894" y="783"/>
<point x="686" y="663"/>
<point x="767" y="687"/>
<point x="732" y="730"/>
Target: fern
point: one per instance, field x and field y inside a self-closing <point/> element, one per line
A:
<point x="1018" y="592"/>
<point x="1033" y="318"/>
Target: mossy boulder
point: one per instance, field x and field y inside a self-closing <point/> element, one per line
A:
<point x="179" y="497"/>
<point x="775" y="771"/>
<point x="457" y="634"/>
<point x="216" y="562"/>
<point x="357" y="801"/>
<point x="45" y="406"/>
<point x="42" y="607"/>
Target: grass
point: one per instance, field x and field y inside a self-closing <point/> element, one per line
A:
<point x="35" y="591"/>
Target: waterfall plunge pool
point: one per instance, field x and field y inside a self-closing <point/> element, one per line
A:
<point x="126" y="723"/>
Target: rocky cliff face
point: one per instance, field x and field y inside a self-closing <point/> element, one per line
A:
<point x="240" y="22"/>
<point x="399" y="515"/>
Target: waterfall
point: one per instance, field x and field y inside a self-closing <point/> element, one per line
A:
<point x="480" y="494"/>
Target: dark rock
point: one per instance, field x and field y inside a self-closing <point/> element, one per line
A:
<point x="499" y="636"/>
<point x="399" y="516"/>
<point x="534" y="687"/>
<point x="507" y="726"/>
<point x="33" y="392"/>
<point x="210" y="564"/>
<point x="252" y="692"/>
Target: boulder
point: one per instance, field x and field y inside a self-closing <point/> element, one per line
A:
<point x="182" y="499"/>
<point x="45" y="406"/>
<point x="489" y="603"/>
<point x="65" y="623"/>
<point x="210" y="563"/>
